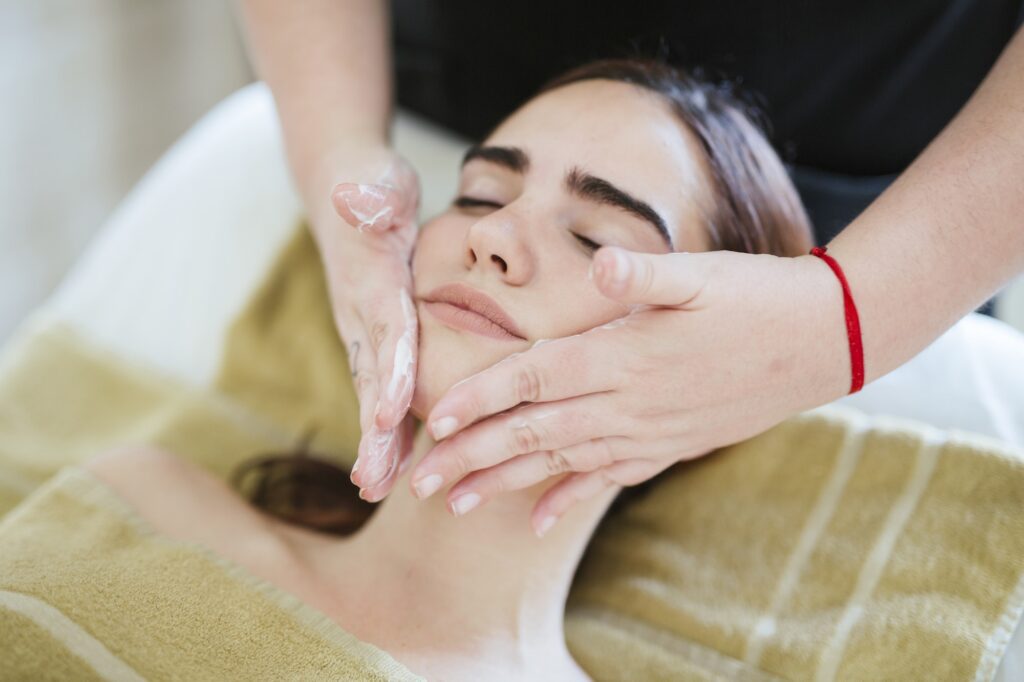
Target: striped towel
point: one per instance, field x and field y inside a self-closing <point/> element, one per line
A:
<point x="89" y="591"/>
<point x="835" y="546"/>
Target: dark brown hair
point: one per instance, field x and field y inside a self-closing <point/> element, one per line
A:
<point x="754" y="209"/>
<point x="304" y="489"/>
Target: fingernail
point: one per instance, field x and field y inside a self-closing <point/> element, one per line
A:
<point x="443" y="427"/>
<point x="427" y="486"/>
<point x="621" y="270"/>
<point x="376" y="454"/>
<point x="361" y="495"/>
<point x="465" y="503"/>
<point x="545" y="525"/>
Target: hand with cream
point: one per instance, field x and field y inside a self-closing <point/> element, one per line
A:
<point x="366" y="241"/>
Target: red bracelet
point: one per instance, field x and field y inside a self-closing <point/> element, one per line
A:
<point x="852" y="322"/>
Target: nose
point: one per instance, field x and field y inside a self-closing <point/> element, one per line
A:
<point x="495" y="244"/>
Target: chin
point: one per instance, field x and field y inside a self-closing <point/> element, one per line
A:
<point x="446" y="357"/>
<point x="437" y="371"/>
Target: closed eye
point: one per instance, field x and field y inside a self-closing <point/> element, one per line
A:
<point x="472" y="202"/>
<point x="590" y="245"/>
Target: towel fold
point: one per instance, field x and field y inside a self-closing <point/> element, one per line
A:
<point x="89" y="591"/>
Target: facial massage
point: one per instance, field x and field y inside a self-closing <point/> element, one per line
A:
<point x="578" y="386"/>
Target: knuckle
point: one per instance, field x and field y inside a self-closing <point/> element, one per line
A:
<point x="556" y="463"/>
<point x="606" y="478"/>
<point x="645" y="277"/>
<point x="378" y="332"/>
<point x="603" y="453"/>
<point x="529" y="384"/>
<point x="475" y="405"/>
<point x="363" y="383"/>
<point x="459" y="462"/>
<point x="525" y="438"/>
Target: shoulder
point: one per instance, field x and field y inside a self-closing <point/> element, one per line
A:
<point x="181" y="500"/>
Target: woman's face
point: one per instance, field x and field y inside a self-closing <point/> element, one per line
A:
<point x="590" y="164"/>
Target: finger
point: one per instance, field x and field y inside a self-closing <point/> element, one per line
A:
<point x="555" y="370"/>
<point x="549" y="426"/>
<point x="397" y="353"/>
<point x="371" y="207"/>
<point x="378" y="457"/>
<point x="363" y="365"/>
<point x="528" y="470"/>
<point x="402" y="453"/>
<point x="401" y="176"/>
<point x="654" y="279"/>
<point x="379" y="490"/>
<point x="573" y="489"/>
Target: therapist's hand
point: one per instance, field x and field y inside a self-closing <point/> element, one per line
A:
<point x="366" y="232"/>
<point x="718" y="347"/>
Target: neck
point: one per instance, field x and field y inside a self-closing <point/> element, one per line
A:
<point x="484" y="580"/>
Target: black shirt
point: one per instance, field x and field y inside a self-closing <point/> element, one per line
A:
<point x="853" y="90"/>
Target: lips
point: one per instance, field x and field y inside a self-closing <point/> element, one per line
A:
<point x="460" y="305"/>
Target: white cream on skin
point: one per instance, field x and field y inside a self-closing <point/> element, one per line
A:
<point x="366" y="221"/>
<point x="405" y="356"/>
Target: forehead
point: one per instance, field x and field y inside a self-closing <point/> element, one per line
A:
<point x="624" y="134"/>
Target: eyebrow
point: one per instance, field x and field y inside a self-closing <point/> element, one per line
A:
<point x="587" y="186"/>
<point x="578" y="182"/>
<point x="513" y="158"/>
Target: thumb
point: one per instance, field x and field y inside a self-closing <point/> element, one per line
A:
<point x="365" y="207"/>
<point x="653" y="279"/>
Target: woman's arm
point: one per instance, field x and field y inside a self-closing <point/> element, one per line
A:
<point x="949" y="232"/>
<point x="328" y="64"/>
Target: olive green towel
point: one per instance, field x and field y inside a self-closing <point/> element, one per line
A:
<point x="834" y="546"/>
<point x="90" y="591"/>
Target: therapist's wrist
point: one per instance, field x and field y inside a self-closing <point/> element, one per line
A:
<point x="820" y="329"/>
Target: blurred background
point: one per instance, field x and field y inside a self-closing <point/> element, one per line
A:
<point x="92" y="92"/>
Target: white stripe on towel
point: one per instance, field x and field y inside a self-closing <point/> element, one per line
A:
<point x="878" y="557"/>
<point x="71" y="635"/>
<point x="817" y="520"/>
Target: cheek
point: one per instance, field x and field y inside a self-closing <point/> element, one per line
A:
<point x="447" y="356"/>
<point x="572" y="303"/>
<point x="438" y="252"/>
